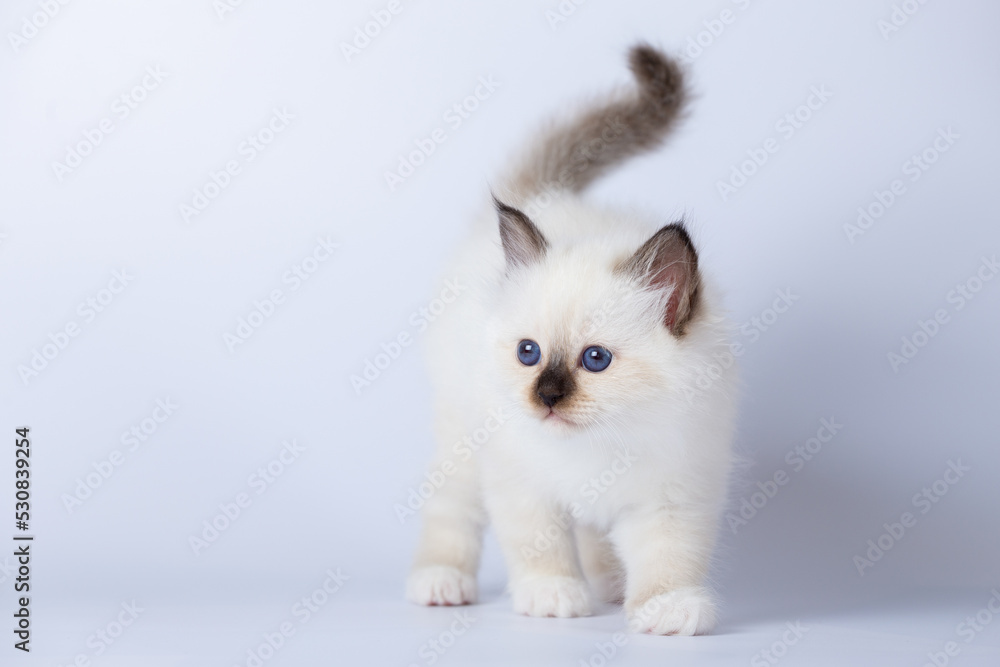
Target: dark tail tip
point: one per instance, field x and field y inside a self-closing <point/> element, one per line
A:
<point x="660" y="78"/>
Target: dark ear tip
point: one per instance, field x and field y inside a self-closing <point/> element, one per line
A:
<point x="500" y="206"/>
<point x="680" y="229"/>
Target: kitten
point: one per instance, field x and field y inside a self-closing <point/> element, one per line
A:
<point x="566" y="406"/>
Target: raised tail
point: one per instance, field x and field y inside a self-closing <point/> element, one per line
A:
<point x="572" y="154"/>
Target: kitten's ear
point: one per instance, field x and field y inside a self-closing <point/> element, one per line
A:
<point x="523" y="243"/>
<point x="668" y="261"/>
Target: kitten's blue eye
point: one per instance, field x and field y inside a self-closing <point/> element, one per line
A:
<point x="528" y="352"/>
<point x="596" y="359"/>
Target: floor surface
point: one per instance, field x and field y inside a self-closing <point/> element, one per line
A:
<point x="365" y="626"/>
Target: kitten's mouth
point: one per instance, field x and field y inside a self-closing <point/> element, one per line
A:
<point x="556" y="418"/>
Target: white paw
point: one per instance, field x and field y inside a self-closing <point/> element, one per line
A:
<point x="440" y="585"/>
<point x="563" y="597"/>
<point x="684" y="611"/>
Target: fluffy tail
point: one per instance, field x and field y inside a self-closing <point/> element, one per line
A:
<point x="573" y="154"/>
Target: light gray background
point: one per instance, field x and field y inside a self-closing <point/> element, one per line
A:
<point x="161" y="337"/>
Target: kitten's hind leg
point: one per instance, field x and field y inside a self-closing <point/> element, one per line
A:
<point x="447" y="558"/>
<point x="600" y="564"/>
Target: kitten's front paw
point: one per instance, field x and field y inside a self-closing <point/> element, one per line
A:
<point x="684" y="611"/>
<point x="562" y="597"/>
<point x="440" y="585"/>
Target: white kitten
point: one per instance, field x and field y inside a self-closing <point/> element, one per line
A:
<point x="576" y="346"/>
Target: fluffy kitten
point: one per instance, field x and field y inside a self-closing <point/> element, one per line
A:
<point x="567" y="409"/>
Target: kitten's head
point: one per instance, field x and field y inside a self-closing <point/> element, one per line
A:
<point x="589" y="333"/>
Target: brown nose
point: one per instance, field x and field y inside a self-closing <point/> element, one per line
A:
<point x="550" y="399"/>
<point x="555" y="383"/>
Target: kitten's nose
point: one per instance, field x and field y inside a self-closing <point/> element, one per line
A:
<point x="555" y="383"/>
<point x="550" y="399"/>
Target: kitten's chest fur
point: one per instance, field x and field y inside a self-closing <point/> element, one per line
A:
<point x="595" y="476"/>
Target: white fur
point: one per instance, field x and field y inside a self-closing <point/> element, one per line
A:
<point x="644" y="421"/>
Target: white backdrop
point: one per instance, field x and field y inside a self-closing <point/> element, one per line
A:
<point x="171" y="168"/>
